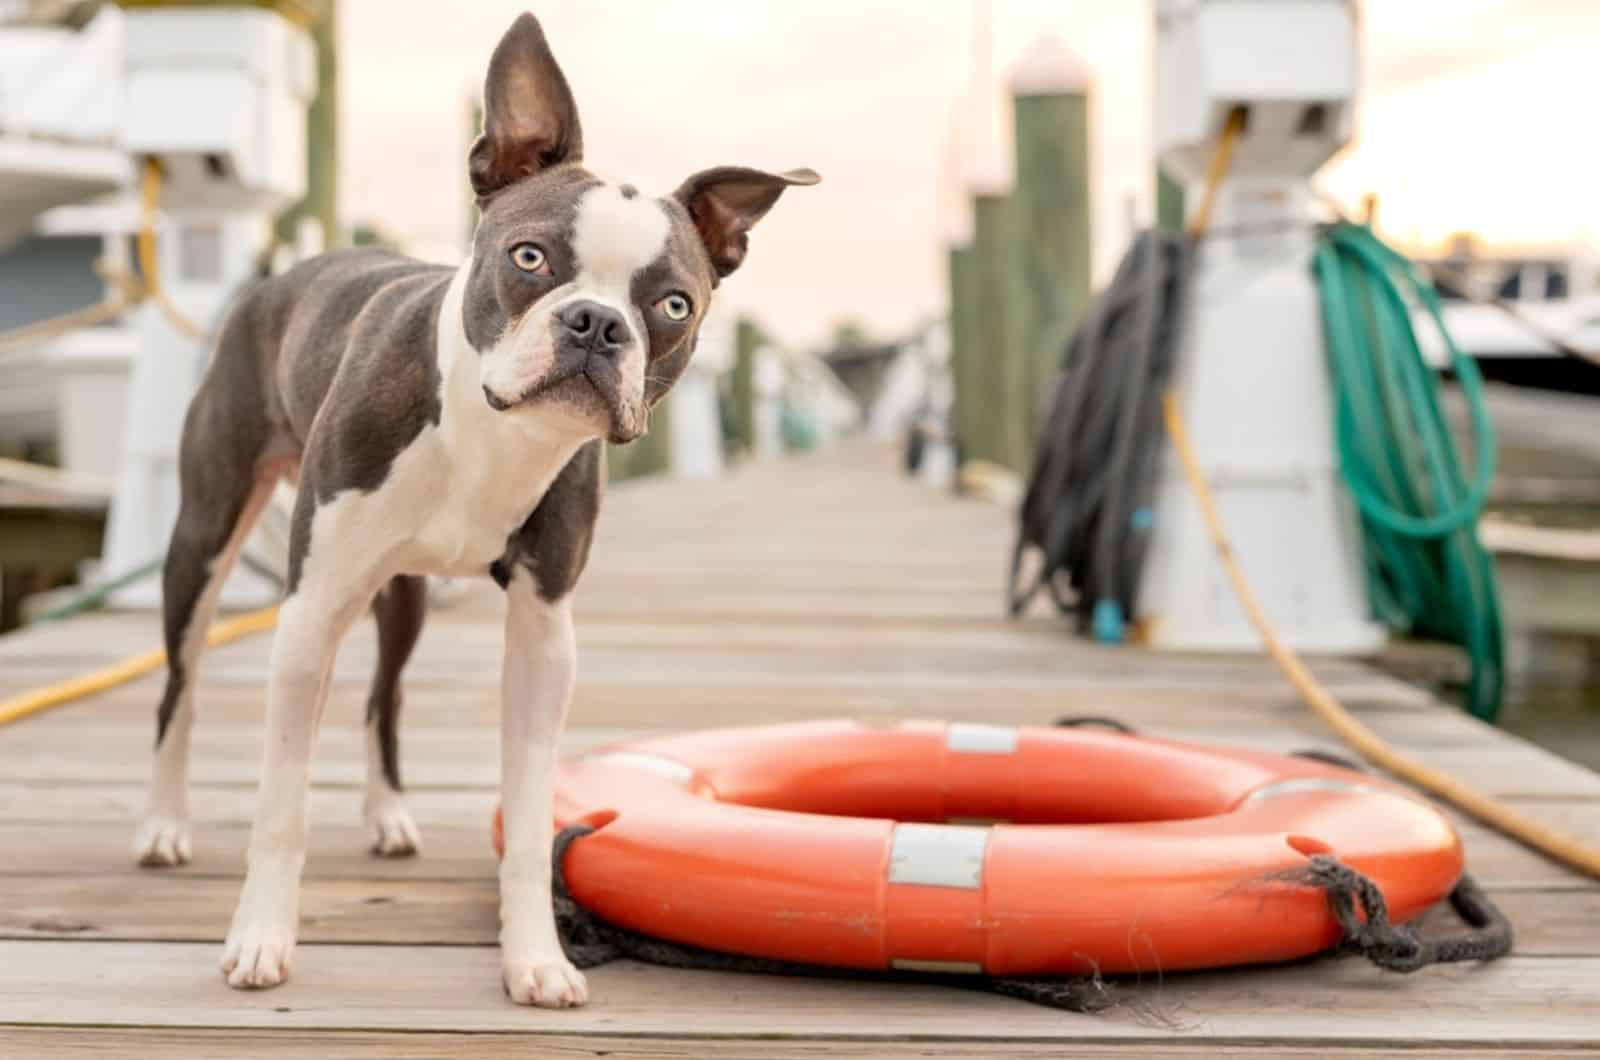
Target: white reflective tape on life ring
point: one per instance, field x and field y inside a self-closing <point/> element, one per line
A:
<point x="1300" y="785"/>
<point x="974" y="738"/>
<point x="670" y="768"/>
<point x="938" y="855"/>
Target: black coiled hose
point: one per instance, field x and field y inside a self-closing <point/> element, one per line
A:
<point x="1087" y="513"/>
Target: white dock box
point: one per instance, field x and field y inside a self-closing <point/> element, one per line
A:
<point x="219" y="97"/>
<point x="1291" y="63"/>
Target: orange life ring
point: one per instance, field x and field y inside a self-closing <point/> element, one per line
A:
<point x="978" y="848"/>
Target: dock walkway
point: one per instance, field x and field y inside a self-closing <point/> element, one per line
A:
<point x="815" y="587"/>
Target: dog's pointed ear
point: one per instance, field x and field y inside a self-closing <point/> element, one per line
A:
<point x="530" y="121"/>
<point x="726" y="202"/>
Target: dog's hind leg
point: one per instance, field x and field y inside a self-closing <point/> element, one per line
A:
<point x="228" y="464"/>
<point x="399" y="609"/>
<point x="205" y="543"/>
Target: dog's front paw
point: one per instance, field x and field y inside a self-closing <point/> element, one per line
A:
<point x="261" y="940"/>
<point x="162" y="842"/>
<point x="548" y="983"/>
<point x="394" y="833"/>
<point x="256" y="956"/>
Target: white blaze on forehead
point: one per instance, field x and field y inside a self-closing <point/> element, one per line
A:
<point x="614" y="237"/>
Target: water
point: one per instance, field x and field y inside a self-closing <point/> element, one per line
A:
<point x="1547" y="475"/>
<point x="1553" y="698"/>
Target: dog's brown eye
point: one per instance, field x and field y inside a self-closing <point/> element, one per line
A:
<point x="529" y="258"/>
<point x="675" y="306"/>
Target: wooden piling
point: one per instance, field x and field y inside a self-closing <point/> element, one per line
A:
<point x="322" y="134"/>
<point x="1169" y="202"/>
<point x="1048" y="268"/>
<point x="997" y="434"/>
<point x="747" y="339"/>
<point x="965" y="346"/>
<point x="1019" y="289"/>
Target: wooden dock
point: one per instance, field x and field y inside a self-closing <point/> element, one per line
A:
<point x="816" y="587"/>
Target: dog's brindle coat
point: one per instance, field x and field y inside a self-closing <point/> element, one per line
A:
<point x="437" y="421"/>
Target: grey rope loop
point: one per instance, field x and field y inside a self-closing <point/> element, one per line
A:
<point x="1394" y="947"/>
<point x="590" y="941"/>
<point x="1489" y="935"/>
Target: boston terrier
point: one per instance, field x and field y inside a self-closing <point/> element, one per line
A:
<point x="445" y="421"/>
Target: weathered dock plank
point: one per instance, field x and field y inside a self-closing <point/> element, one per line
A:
<point x="89" y="1042"/>
<point x="1519" y="1001"/>
<point x="461" y="911"/>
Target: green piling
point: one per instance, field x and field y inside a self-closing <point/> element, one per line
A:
<point x="747" y="339"/>
<point x="997" y="434"/>
<point x="322" y="133"/>
<point x="1169" y="202"/>
<point x="964" y="345"/>
<point x="1049" y="222"/>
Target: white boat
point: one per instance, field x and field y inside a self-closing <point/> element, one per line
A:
<point x="60" y="110"/>
<point x="1558" y="297"/>
<point x="60" y="107"/>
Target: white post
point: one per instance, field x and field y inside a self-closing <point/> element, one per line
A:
<point x="939" y="456"/>
<point x="696" y="421"/>
<point x="768" y="403"/>
<point x="1252" y="376"/>
<point x="696" y="425"/>
<point x="204" y="258"/>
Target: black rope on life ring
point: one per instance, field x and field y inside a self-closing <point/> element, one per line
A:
<point x="1396" y="947"/>
<point x="589" y="941"/>
<point x="1094" y="721"/>
<point x="1329" y="758"/>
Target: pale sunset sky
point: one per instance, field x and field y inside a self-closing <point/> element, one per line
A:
<point x="1475" y="114"/>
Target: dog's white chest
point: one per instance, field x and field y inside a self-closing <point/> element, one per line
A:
<point x="465" y="530"/>
<point x="465" y="506"/>
<point x="469" y="482"/>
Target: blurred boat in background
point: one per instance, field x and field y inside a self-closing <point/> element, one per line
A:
<point x="1555" y="296"/>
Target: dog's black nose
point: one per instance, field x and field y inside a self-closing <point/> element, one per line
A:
<point x="594" y="327"/>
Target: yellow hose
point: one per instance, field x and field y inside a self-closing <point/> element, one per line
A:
<point x="131" y="291"/>
<point x="1567" y="849"/>
<point x="149" y="261"/>
<point x="44" y="330"/>
<point x="1492" y="812"/>
<point x="118" y="673"/>
<point x="1221" y="159"/>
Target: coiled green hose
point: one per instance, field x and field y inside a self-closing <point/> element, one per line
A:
<point x="1427" y="573"/>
